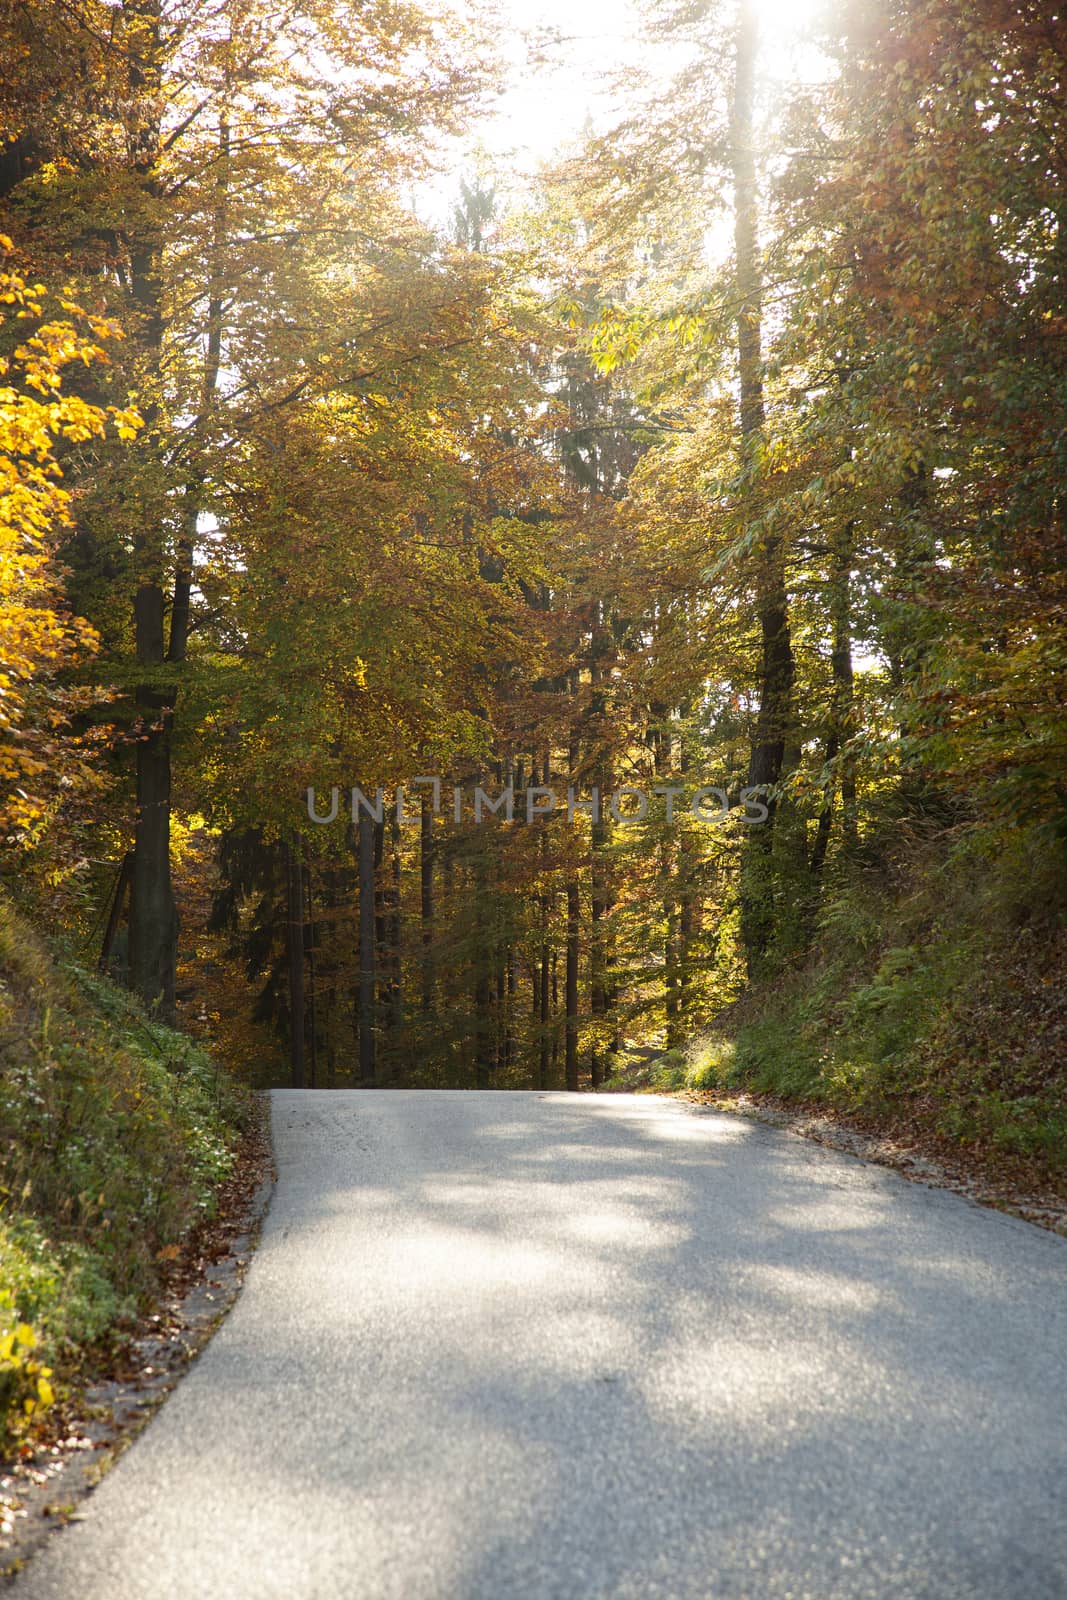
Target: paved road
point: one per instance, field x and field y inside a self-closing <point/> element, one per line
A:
<point x="539" y="1347"/>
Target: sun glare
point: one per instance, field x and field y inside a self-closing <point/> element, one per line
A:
<point x="565" y="57"/>
<point x="563" y="66"/>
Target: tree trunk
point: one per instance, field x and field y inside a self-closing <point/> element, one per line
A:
<point x="294" y="875"/>
<point x="509" y="1006"/>
<point x="574" y="928"/>
<point x="483" y="1051"/>
<point x="118" y="900"/>
<point x="599" y="874"/>
<point x="776" y="672"/>
<point x="670" y="966"/>
<point x="571" y="985"/>
<point x="841" y="702"/>
<point x="365" y="838"/>
<point x="153" y="914"/>
<point x="598" y="989"/>
<point x="544" y="1051"/>
<point x="426" y="863"/>
<point x="180" y="615"/>
<point x="309" y="945"/>
<point x="555" y="1011"/>
<point x="396" y="972"/>
<point x="687" y="894"/>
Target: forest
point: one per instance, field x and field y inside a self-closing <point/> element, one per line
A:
<point x="653" y="563"/>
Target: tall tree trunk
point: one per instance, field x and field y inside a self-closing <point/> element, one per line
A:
<point x="180" y="615"/>
<point x="669" y="902"/>
<point x="571" y="984"/>
<point x="309" y="945"/>
<point x="687" y="892"/>
<point x="501" y="1008"/>
<point x="545" y="1048"/>
<point x="483" y="1027"/>
<point x="776" y="672"/>
<point x="574" y="934"/>
<point x="747" y="265"/>
<point x="670" y="963"/>
<point x="294" y="877"/>
<point x="365" y="845"/>
<point x="328" y="970"/>
<point x="484" y="972"/>
<point x="555" y="1011"/>
<point x="396" y="973"/>
<point x="914" y="561"/>
<point x="153" y="914"/>
<point x="841" y="701"/>
<point x="599" y="878"/>
<point x="509" y="1006"/>
<point x="598" y="990"/>
<point x="426" y="864"/>
<point x="544" y="1042"/>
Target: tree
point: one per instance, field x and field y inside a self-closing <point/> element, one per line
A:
<point x="212" y="199"/>
<point x="40" y="638"/>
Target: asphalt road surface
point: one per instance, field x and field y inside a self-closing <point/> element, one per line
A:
<point x="507" y="1346"/>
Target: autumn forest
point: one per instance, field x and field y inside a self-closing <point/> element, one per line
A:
<point x="691" y="508"/>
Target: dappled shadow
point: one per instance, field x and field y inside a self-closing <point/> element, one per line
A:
<point x="662" y="1352"/>
<point x="540" y="1345"/>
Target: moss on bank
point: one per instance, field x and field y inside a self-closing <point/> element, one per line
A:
<point x="114" y="1134"/>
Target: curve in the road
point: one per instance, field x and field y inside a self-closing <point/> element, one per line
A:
<point x="550" y="1347"/>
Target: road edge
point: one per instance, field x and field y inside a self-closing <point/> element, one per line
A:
<point x="45" y="1491"/>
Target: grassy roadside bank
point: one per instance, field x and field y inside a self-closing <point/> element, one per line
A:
<point x="115" y="1134"/>
<point x="933" y="1007"/>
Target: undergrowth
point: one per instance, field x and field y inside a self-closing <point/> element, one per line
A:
<point x="935" y="995"/>
<point x="114" y="1134"/>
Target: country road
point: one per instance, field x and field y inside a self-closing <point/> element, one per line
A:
<point x="549" y="1347"/>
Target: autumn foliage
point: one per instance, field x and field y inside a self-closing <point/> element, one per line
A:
<point x="729" y="453"/>
<point x="39" y="636"/>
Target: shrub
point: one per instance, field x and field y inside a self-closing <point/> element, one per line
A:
<point x="25" y="1390"/>
<point x="114" y="1135"/>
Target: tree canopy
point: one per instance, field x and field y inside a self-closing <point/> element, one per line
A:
<point x="727" y="457"/>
